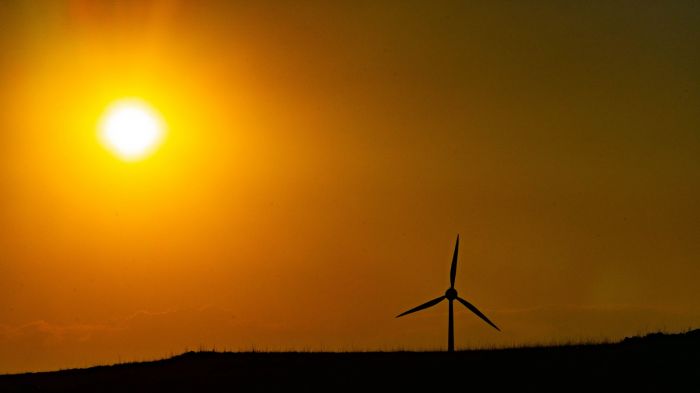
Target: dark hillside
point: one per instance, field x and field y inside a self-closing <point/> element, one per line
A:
<point x="657" y="362"/>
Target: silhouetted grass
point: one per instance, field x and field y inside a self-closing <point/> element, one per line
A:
<point x="656" y="362"/>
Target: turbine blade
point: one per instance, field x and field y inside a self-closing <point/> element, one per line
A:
<point x="422" y="306"/>
<point x="453" y="269"/>
<point x="477" y="312"/>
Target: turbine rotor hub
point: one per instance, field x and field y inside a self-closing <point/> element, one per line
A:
<point x="451" y="294"/>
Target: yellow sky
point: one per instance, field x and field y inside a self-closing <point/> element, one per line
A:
<point x="319" y="162"/>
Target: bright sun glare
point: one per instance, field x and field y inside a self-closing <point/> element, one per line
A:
<point x="131" y="129"/>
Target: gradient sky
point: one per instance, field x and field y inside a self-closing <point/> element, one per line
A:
<point x="321" y="159"/>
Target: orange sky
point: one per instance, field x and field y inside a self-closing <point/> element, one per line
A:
<point x="320" y="160"/>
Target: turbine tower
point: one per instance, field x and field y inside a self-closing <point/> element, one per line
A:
<point x="451" y="295"/>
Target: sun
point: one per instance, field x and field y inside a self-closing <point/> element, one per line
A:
<point x="131" y="129"/>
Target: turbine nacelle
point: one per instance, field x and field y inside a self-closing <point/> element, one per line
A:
<point x="451" y="294"/>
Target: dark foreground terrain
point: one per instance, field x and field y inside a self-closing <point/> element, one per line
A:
<point x="657" y="362"/>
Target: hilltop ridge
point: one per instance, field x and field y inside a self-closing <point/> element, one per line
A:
<point x="655" y="361"/>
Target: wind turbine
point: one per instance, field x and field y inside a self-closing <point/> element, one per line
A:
<point x="451" y="295"/>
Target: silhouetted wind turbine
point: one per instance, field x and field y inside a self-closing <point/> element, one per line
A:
<point x="451" y="295"/>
